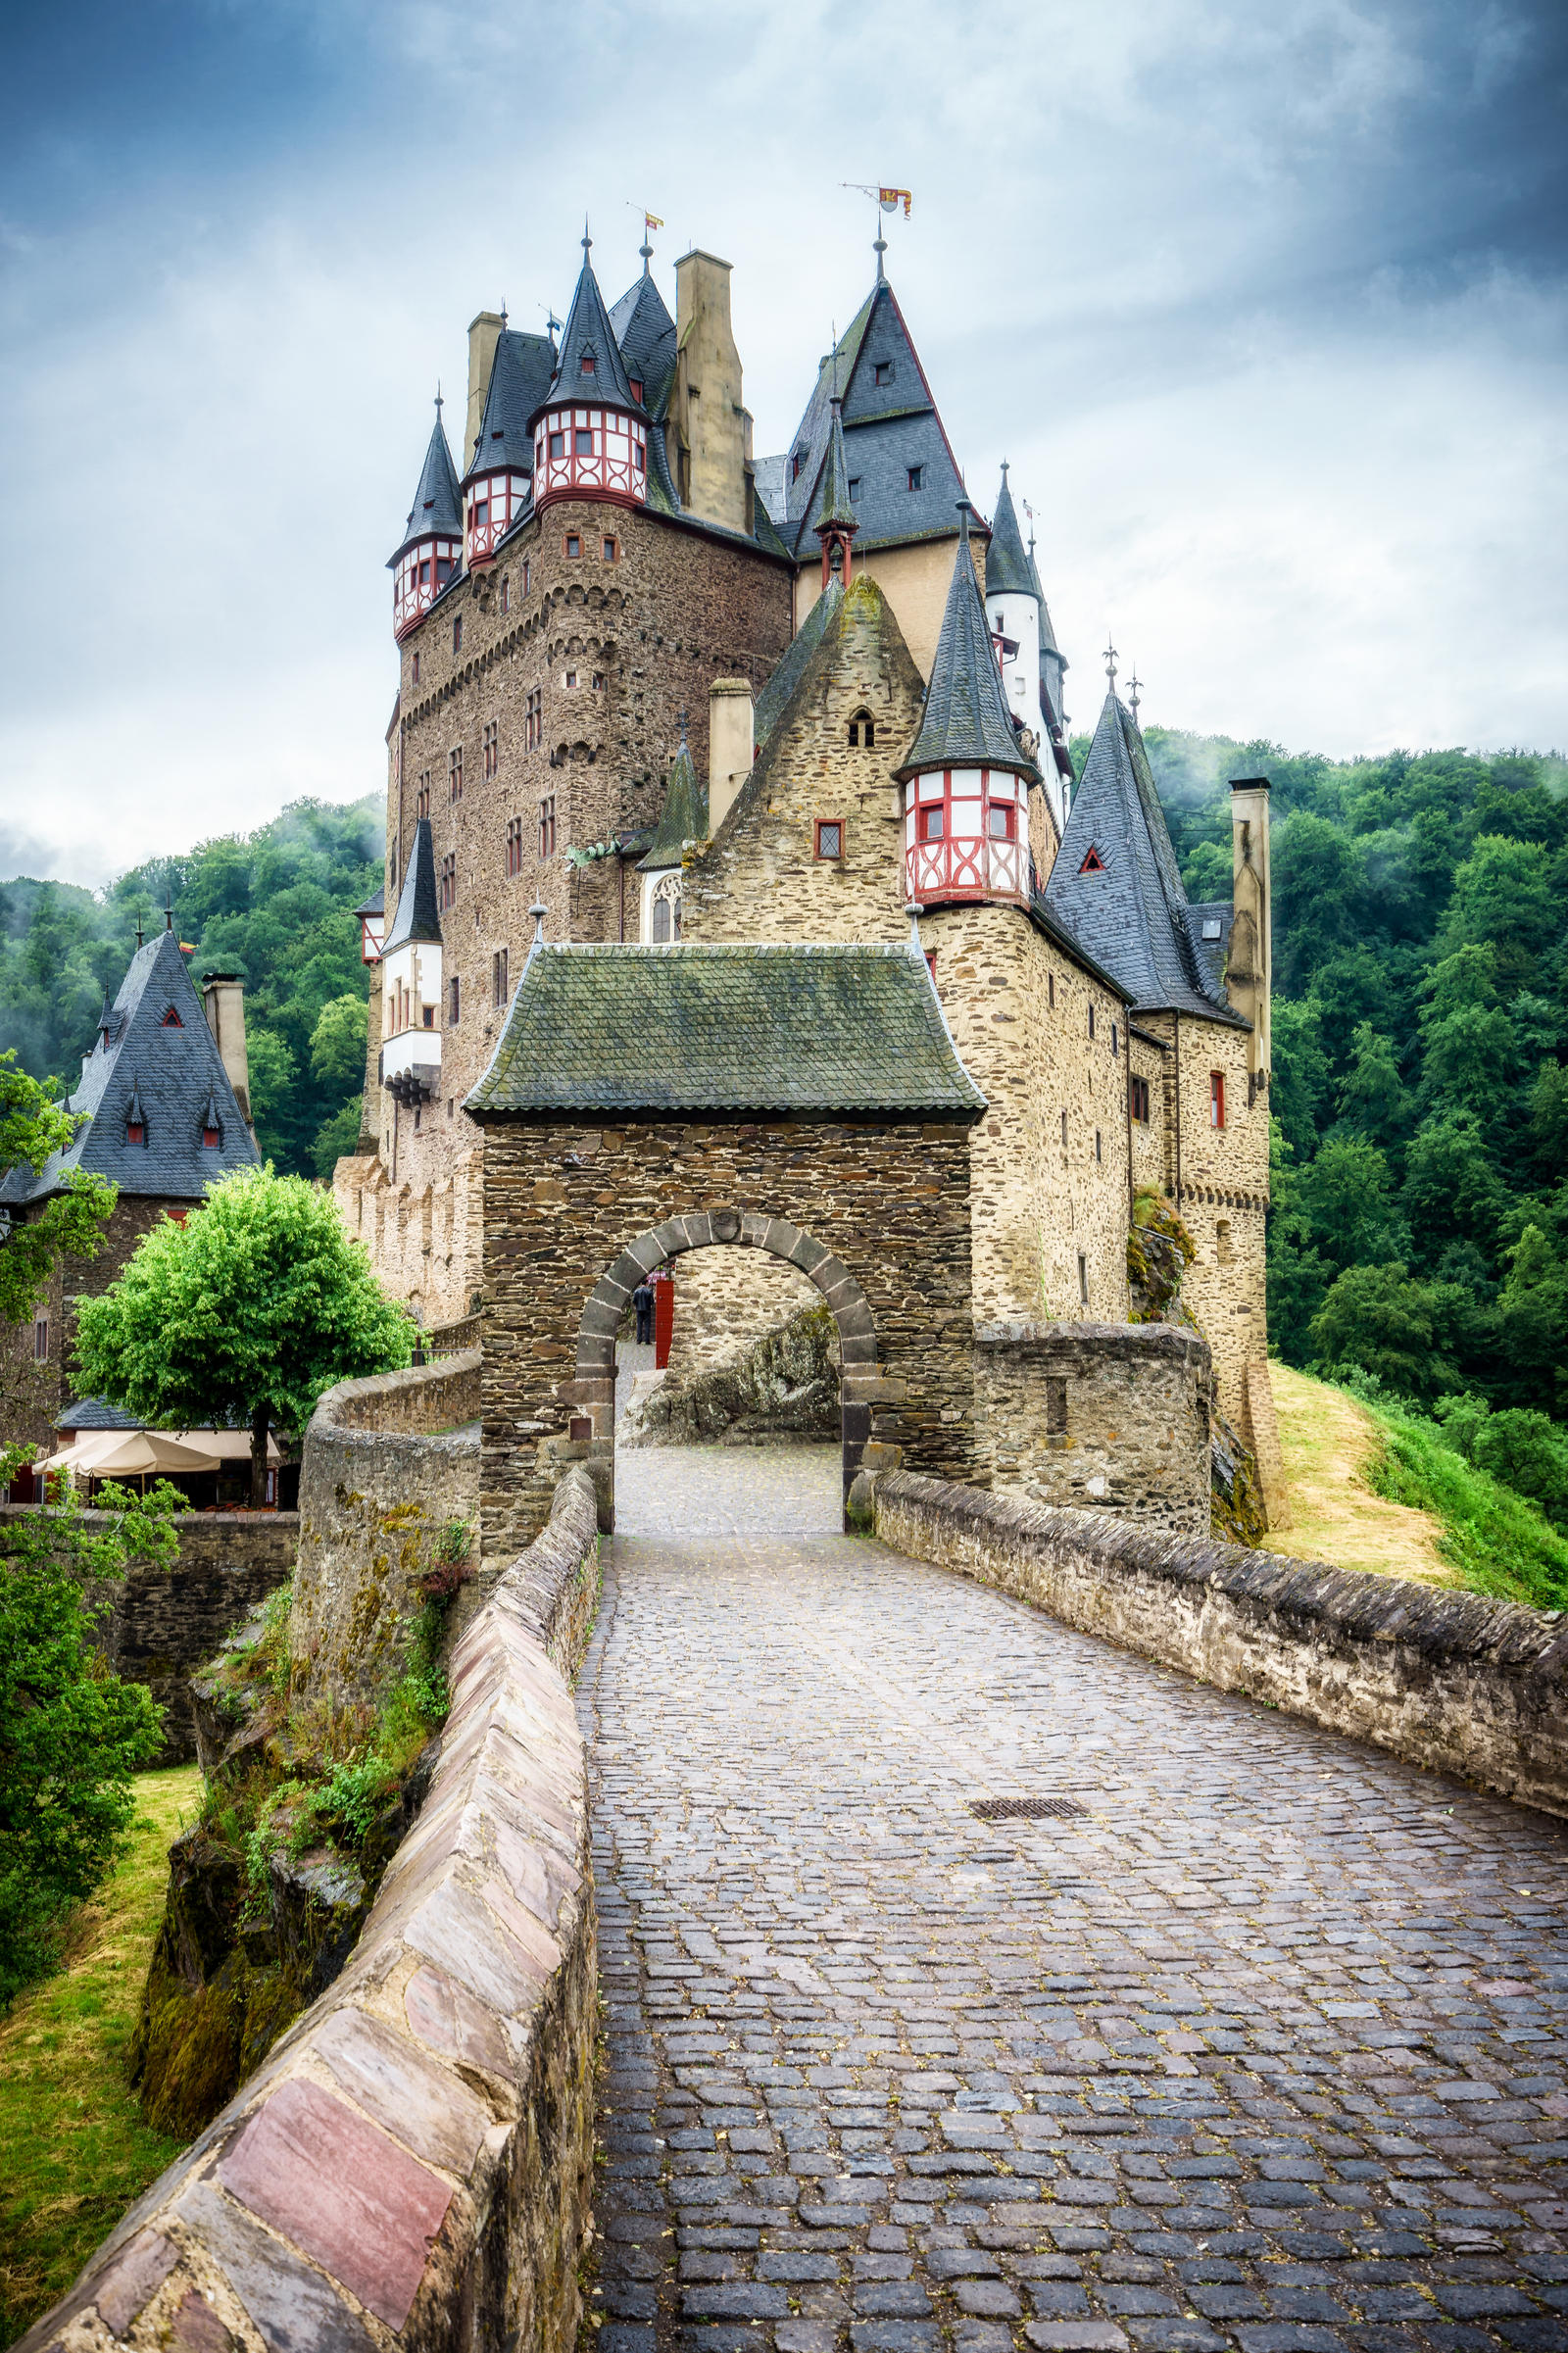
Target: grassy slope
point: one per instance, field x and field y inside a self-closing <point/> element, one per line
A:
<point x="1371" y="1488"/>
<point x="73" y="2151"/>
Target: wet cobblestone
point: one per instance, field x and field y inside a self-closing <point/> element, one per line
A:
<point x="1266" y="2049"/>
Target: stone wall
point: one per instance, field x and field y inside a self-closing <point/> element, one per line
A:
<point x="1113" y="1417"/>
<point x="163" y="1624"/>
<point x="784" y="1383"/>
<point x="390" y="1465"/>
<point x="726" y="1300"/>
<point x="877" y="1214"/>
<point x="1448" y="1681"/>
<point x="413" y="2163"/>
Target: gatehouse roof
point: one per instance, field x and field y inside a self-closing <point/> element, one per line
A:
<point x="802" y="1031"/>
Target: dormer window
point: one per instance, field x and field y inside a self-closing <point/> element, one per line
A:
<point x="136" y="1131"/>
<point x="1093" y="864"/>
<point x="796" y="463"/>
<point x="212" y="1139"/>
<point x="636" y="383"/>
<point x="587" y="363"/>
<point x="172" y="1020"/>
<point x="855" y="490"/>
<point x="882" y="373"/>
<point x="1212" y="927"/>
<point x="917" y="477"/>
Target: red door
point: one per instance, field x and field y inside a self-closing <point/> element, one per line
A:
<point x="664" y="1319"/>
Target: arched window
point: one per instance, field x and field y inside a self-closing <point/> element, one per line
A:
<point x="862" y="730"/>
<point x="665" y="912"/>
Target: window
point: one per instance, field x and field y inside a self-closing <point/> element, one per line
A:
<point x="1055" y="1404"/>
<point x="527" y="569"/>
<point x="862" y="730"/>
<point x="449" y="882"/>
<point x="829" y="837"/>
<point x="427" y="1015"/>
<point x="454" y="772"/>
<point x="1216" y="1099"/>
<point x="1001" y="821"/>
<point x="583" y="442"/>
<point x="797" y="463"/>
<point x="41" y="1340"/>
<point x="930" y="821"/>
<point x="1222" y="1240"/>
<point x="882" y="373"/>
<point x="917" y="477"/>
<point x="1212" y="927"/>
<point x="491" y="759"/>
<point x="506" y="592"/>
<point x="136" y="1131"/>
<point x="1090" y="1020"/>
<point x="573" y="545"/>
<point x="547" y="826"/>
<point x="587" y="363"/>
<point x="1093" y="864"/>
<point x="931" y="964"/>
<point x="1064" y="1131"/>
<point x="1138" y="1099"/>
<point x="557" y="445"/>
<point x="172" y="1020"/>
<point x="534" y="720"/>
<point x="416" y="678"/>
<point x="599" y="683"/>
<point x="422" y="798"/>
<point x="855" y="489"/>
<point x="513" y="846"/>
<point x="636" y="383"/>
<point x="456" y="635"/>
<point x="212" y="1138"/>
<point x="1051" y="990"/>
<point x="454" y="1001"/>
<point x="610" y="550"/>
<point x="1099" y="1149"/>
<point x="1083" y="1280"/>
<point x="1115" y="1047"/>
<point x="665" y="911"/>
<point x="570" y="678"/>
<point x="498" y="977"/>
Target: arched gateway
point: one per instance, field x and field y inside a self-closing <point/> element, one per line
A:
<point x="644" y="1101"/>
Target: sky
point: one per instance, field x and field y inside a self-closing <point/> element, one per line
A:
<point x="1266" y="308"/>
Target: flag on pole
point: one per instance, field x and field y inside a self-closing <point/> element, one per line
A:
<point x="651" y="221"/>
<point x="889" y="199"/>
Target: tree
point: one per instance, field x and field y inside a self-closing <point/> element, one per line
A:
<point x="1345" y="1194"/>
<point x="337" y="1043"/>
<point x="336" y="1137"/>
<point x="1379" y="1318"/>
<point x="1373" y="1100"/>
<point x="271" y="1081"/>
<point x="247" y="1311"/>
<point x="32" y="1129"/>
<point x="71" y="1733"/>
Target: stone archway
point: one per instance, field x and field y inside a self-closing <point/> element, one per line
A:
<point x="859" y="1370"/>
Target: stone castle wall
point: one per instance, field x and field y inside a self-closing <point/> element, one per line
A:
<point x="726" y="1301"/>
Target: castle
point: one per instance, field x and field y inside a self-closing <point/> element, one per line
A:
<point x="657" y="690"/>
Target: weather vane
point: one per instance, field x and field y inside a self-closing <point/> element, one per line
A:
<point x="1133" y="685"/>
<point x="1110" y="662"/>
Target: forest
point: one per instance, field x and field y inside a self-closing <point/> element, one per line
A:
<point x="277" y="905"/>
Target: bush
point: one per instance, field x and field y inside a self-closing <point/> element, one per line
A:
<point x="1498" y="1540"/>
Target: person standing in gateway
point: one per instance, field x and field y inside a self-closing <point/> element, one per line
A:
<point x="642" y="1299"/>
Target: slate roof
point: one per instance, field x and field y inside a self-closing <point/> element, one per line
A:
<point x="588" y="329"/>
<point x="1008" y="570"/>
<point x="833" y="491"/>
<point x="519" y="378"/>
<point x="888" y="428"/>
<point x="791" y="663"/>
<point x="417" y="918"/>
<point x="683" y="818"/>
<point x="819" y="1030"/>
<point x="169" y="1071"/>
<point x="646" y="334"/>
<point x="1133" y="917"/>
<point x="966" y="724"/>
<point x="96" y="1413"/>
<point x="437" y="502"/>
<point x="375" y="905"/>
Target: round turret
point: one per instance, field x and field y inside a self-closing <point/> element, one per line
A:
<point x="432" y="538"/>
<point x="590" y="434"/>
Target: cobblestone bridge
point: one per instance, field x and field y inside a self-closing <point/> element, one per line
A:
<point x="1261" y="2041"/>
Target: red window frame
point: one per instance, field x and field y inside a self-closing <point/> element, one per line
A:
<point x="1138" y="1099"/>
<point x="547" y="825"/>
<point x="834" y="825"/>
<point x="212" y="1139"/>
<point x="136" y="1131"/>
<point x="448" y="889"/>
<point x="1216" y="1099"/>
<point x="1007" y="812"/>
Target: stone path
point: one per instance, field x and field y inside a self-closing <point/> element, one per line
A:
<point x="1267" y="2046"/>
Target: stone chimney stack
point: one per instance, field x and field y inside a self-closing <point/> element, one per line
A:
<point x="484" y="333"/>
<point x="730" y="746"/>
<point x="1249" y="962"/>
<point x="223" y="997"/>
<point x="712" y="423"/>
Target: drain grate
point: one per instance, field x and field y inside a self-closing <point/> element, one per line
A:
<point x="1028" y="1809"/>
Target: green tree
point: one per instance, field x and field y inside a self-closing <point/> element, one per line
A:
<point x="336" y="1137"/>
<point x="1380" y="1319"/>
<point x="1344" y="1193"/>
<point x="271" y="1083"/>
<point x="1302" y="1081"/>
<point x="1506" y="895"/>
<point x="71" y="1733"/>
<point x="337" y="1043"/>
<point x="247" y="1311"/>
<point x="32" y="1129"/>
<point x="1374" y="1102"/>
<point x="1532" y="1313"/>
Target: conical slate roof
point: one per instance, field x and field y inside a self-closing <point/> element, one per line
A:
<point x="646" y="334"/>
<point x="965" y="724"/>
<point x="793" y="660"/>
<point x="833" y="502"/>
<point x="1047" y="635"/>
<point x="154" y="1062"/>
<point x="1008" y="571"/>
<point x="589" y="334"/>
<point x="519" y="378"/>
<point x="1115" y="885"/>
<point x="683" y="818"/>
<point x="417" y="918"/>
<point x="437" y="507"/>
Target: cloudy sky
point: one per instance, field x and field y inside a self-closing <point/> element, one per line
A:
<point x="1266" y="306"/>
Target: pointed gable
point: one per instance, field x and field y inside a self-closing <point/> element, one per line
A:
<point x="683" y="818"/>
<point x="165" y="1079"/>
<point x="519" y="378"/>
<point x="1117" y="886"/>
<point x="1008" y="571"/>
<point x="966" y="724"/>
<point x="437" y="508"/>
<point x="417" y="918"/>
<point x="588" y="336"/>
<point x="645" y="333"/>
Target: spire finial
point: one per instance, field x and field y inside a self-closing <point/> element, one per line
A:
<point x="140" y="927"/>
<point x="1111" y="662"/>
<point x="168" y="908"/>
<point x="438" y="400"/>
<point x="1133" y="684"/>
<point x="538" y="910"/>
<point x="647" y="252"/>
<point x="879" y="248"/>
<point x="964" y="520"/>
<point x="680" y="721"/>
<point x="502" y="313"/>
<point x="1003" y="472"/>
<point x="587" y="241"/>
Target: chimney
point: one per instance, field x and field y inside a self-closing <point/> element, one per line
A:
<point x="730" y="746"/>
<point x="484" y="333"/>
<point x="712" y="423"/>
<point x="223" y="997"/>
<point x="1249" y="960"/>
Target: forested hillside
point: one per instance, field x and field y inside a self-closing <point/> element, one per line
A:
<point x="274" y="905"/>
<point x="1419" y="1090"/>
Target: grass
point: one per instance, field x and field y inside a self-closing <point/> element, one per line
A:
<point x="73" y="2151"/>
<point x="1374" y="1487"/>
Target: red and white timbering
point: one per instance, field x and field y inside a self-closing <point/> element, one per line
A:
<point x="495" y="503"/>
<point x="581" y="452"/>
<point x="966" y="836"/>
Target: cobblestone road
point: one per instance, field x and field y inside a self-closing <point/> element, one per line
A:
<point x="1267" y="2046"/>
